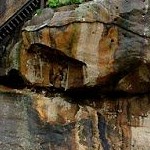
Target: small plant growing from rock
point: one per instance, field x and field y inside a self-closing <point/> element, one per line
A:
<point x="57" y="3"/>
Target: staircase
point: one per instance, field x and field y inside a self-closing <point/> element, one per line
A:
<point x="18" y="18"/>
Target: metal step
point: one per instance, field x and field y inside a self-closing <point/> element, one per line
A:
<point x="16" y="20"/>
<point x="9" y="27"/>
<point x="27" y="11"/>
<point x="20" y="17"/>
<point x="3" y="34"/>
<point x="6" y="30"/>
<point x="24" y="14"/>
<point x="12" y="24"/>
<point x="34" y="4"/>
<point x="30" y="8"/>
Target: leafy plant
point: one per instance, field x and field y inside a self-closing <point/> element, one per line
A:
<point x="56" y="3"/>
<point x="53" y="3"/>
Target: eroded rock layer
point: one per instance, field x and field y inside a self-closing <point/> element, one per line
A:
<point x="85" y="74"/>
<point x="33" y="121"/>
<point x="110" y="46"/>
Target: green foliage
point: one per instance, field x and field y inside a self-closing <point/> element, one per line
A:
<point x="38" y="11"/>
<point x="56" y="3"/>
<point x="53" y="3"/>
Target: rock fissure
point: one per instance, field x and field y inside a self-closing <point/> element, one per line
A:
<point x="80" y="22"/>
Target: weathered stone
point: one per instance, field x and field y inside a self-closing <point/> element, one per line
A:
<point x="131" y="15"/>
<point x="39" y="19"/>
<point x="137" y="81"/>
<point x="51" y="68"/>
<point x="44" y="123"/>
<point x="90" y="34"/>
<point x="33" y="121"/>
<point x="97" y="54"/>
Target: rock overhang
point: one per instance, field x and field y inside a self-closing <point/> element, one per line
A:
<point x="107" y="40"/>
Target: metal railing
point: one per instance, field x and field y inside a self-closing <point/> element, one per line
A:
<point x="18" y="18"/>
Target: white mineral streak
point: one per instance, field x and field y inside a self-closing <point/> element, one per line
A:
<point x="141" y="135"/>
<point x="146" y="29"/>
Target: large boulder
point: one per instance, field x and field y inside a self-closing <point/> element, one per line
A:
<point x="95" y="44"/>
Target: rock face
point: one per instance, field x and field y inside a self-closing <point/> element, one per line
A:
<point x="33" y="121"/>
<point x="87" y="71"/>
<point x="110" y="45"/>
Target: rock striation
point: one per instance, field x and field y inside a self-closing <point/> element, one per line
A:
<point x="84" y="71"/>
<point x="109" y="45"/>
<point x="33" y="121"/>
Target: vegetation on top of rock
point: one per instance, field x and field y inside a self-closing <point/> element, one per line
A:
<point x="38" y="12"/>
<point x="57" y="3"/>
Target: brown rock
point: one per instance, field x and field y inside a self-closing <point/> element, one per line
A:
<point x="136" y="81"/>
<point x="99" y="53"/>
<point x="30" y="121"/>
<point x="95" y="38"/>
